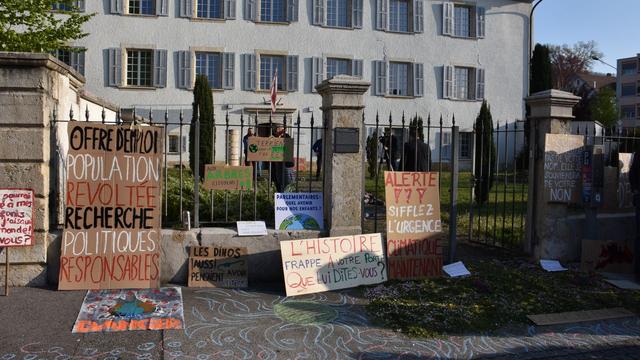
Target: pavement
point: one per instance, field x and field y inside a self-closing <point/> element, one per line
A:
<point x="263" y="324"/>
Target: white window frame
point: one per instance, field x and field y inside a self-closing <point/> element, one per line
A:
<point x="76" y="59"/>
<point x="282" y="78"/>
<point x="415" y="16"/>
<point x="468" y="138"/>
<point x="219" y="70"/>
<point x="196" y="4"/>
<point x="408" y="79"/>
<point x="475" y="83"/>
<point x="126" y="67"/>
<point x="156" y="78"/>
<point x="127" y="6"/>
<point x="476" y="23"/>
<point x="287" y="16"/>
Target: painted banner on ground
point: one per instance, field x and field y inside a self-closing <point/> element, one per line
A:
<point x="608" y="256"/>
<point x="122" y="310"/>
<point x="299" y="211"/>
<point x="562" y="167"/>
<point x="317" y="265"/>
<point x="16" y="217"/>
<point x="211" y="266"/>
<point x="274" y="149"/>
<point x="112" y="207"/>
<point x="414" y="228"/>
<point x="223" y="177"/>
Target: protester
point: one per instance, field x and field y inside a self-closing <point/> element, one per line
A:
<point x="391" y="149"/>
<point x="279" y="171"/>
<point x="317" y="148"/>
<point x="417" y="155"/>
<point x="245" y="144"/>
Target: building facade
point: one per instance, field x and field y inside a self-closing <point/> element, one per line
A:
<point x="425" y="57"/>
<point x="628" y="91"/>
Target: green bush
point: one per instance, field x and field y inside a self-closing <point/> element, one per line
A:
<point x="485" y="154"/>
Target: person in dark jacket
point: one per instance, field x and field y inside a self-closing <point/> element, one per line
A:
<point x="417" y="155"/>
<point x="634" y="180"/>
<point x="317" y="148"/>
<point x="391" y="149"/>
<point x="279" y="171"/>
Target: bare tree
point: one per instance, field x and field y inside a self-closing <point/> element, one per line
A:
<point x="569" y="60"/>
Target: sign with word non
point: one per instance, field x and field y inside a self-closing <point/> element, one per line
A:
<point x="414" y="227"/>
<point x="111" y="238"/>
<point x="562" y="167"/>
<point x="16" y="217"/>
<point x="317" y="265"/>
<point x="221" y="177"/>
<point x="275" y="149"/>
<point x="299" y="211"/>
<point x="223" y="267"/>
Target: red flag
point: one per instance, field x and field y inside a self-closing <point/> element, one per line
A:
<point x="274" y="91"/>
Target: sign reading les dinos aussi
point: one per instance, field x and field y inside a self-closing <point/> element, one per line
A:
<point x="112" y="215"/>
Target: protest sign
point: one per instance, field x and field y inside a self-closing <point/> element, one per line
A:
<point x="299" y="211"/>
<point x="274" y="149"/>
<point x="608" y="256"/>
<point x="562" y="167"/>
<point x="219" y="177"/>
<point x="251" y="228"/>
<point x="211" y="266"/>
<point x="112" y="235"/>
<point x="317" y="265"/>
<point x="414" y="228"/>
<point x="16" y="217"/>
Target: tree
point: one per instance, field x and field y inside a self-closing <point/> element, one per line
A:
<point x="372" y="154"/>
<point x="569" y="60"/>
<point x="203" y="105"/>
<point x="417" y="123"/>
<point x="31" y="26"/>
<point x="603" y="107"/>
<point x="540" y="69"/>
<point x="485" y="154"/>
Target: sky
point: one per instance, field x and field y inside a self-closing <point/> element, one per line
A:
<point x="613" y="24"/>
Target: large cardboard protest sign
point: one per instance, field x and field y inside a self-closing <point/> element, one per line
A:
<point x="112" y="235"/>
<point x="16" y="217"/>
<point x="562" y="167"/>
<point x="414" y="227"/>
<point x="275" y="149"/>
<point x="608" y="256"/>
<point x="317" y="265"/>
<point x="221" y="177"/>
<point x="299" y="211"/>
<point x="211" y="266"/>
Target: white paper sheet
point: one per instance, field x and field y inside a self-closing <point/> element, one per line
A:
<point x="456" y="269"/>
<point x="251" y="228"/>
<point x="552" y="265"/>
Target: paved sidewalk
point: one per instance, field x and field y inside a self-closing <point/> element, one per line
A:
<point x="231" y="324"/>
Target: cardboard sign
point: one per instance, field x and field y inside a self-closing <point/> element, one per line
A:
<point x="112" y="234"/>
<point x="317" y="265"/>
<point x="228" y="177"/>
<point x="562" y="167"/>
<point x="414" y="228"/>
<point x="16" y="217"/>
<point x="299" y="211"/>
<point x="275" y="149"/>
<point x="607" y="256"/>
<point x="218" y="267"/>
<point x="251" y="228"/>
<point x="625" y="194"/>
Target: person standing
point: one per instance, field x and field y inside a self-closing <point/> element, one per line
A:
<point x="417" y="155"/>
<point x="245" y="144"/>
<point x="634" y="180"/>
<point x="317" y="148"/>
<point x="279" y="171"/>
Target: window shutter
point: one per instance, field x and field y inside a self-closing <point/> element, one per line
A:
<point x="116" y="6"/>
<point x="418" y="16"/>
<point x="184" y="69"/>
<point x="229" y="9"/>
<point x="115" y="67"/>
<point x="318" y="12"/>
<point x="382" y="7"/>
<point x="249" y="72"/>
<point x="479" y="84"/>
<point x="317" y="71"/>
<point x="159" y="68"/>
<point x="186" y="8"/>
<point x="250" y="10"/>
<point x="447" y="18"/>
<point x="356" y="68"/>
<point x="418" y="80"/>
<point x="228" y="66"/>
<point x="77" y="61"/>
<point x="380" y="71"/>
<point x="357" y="13"/>
<point x="80" y="5"/>
<point x="292" y="10"/>
<point x="292" y="73"/>
<point x="162" y="7"/>
<point x="447" y="82"/>
<point x="480" y="22"/>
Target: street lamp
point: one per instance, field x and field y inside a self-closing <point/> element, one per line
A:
<point x="593" y="57"/>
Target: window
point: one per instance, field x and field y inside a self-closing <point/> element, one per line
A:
<point x="218" y="67"/>
<point x="399" y="15"/>
<point x="628" y="112"/>
<point x="210" y="9"/>
<point x="268" y="66"/>
<point x="406" y="16"/>
<point x="629" y="68"/>
<point x="463" y="83"/>
<point x="337" y="66"/>
<point x="74" y="6"/>
<point x="445" y="146"/>
<point x="142" y="7"/>
<point x="465" y="145"/>
<point x="628" y="89"/>
<point x="273" y="10"/>
<point x="337" y="13"/>
<point x="174" y="144"/>
<point x="463" y="20"/>
<point x="75" y="59"/>
<point x="398" y="79"/>
<point x="139" y="68"/>
<point x="210" y="65"/>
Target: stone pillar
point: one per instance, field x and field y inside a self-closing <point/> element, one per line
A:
<point x="342" y="107"/>
<point x="548" y="231"/>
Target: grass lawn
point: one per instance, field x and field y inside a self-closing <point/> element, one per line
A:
<point x="497" y="294"/>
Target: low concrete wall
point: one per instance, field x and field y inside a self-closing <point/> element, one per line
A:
<point x="265" y="264"/>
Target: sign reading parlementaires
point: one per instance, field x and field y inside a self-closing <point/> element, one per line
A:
<point x="112" y="207"/>
<point x="414" y="227"/>
<point x="562" y="167"/>
<point x="16" y="217"/>
<point x="299" y="211"/>
<point x="222" y="177"/>
<point x="275" y="149"/>
<point x="211" y="266"/>
<point x="317" y="265"/>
